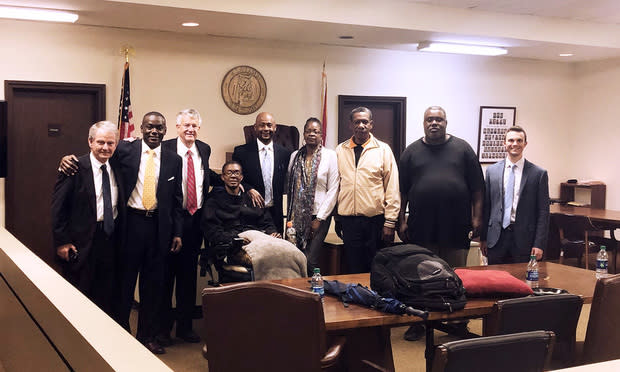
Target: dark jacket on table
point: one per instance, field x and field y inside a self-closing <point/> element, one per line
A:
<point x="169" y="190"/>
<point x="225" y="216"/>
<point x="74" y="209"/>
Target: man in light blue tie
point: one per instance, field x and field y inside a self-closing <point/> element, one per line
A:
<point x="516" y="205"/>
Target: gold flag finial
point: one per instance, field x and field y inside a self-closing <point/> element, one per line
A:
<point x="127" y="50"/>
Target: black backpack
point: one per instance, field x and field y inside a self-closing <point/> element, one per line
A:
<point x="417" y="277"/>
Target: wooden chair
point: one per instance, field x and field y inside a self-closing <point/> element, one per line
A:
<point x="575" y="237"/>
<point x="603" y="334"/>
<point x="285" y="135"/>
<point x="557" y="313"/>
<point x="518" y="352"/>
<point x="262" y="326"/>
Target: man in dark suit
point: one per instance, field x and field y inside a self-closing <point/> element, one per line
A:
<point x="154" y="196"/>
<point x="155" y="224"/>
<point x="197" y="177"/>
<point x="265" y="165"/>
<point x="516" y="208"/>
<point x="87" y="218"/>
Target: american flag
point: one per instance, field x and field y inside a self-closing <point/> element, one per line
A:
<point x="125" y="126"/>
<point x="324" y="102"/>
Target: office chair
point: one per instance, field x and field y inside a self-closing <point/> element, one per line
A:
<point x="557" y="313"/>
<point x="574" y="237"/>
<point x="518" y="352"/>
<point x="285" y="135"/>
<point x="262" y="326"/>
<point x="603" y="333"/>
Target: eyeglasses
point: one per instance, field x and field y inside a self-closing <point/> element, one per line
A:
<point x="232" y="172"/>
<point x="438" y="119"/>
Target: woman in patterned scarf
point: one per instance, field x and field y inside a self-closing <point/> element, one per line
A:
<point x="313" y="189"/>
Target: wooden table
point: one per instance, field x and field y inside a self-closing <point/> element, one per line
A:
<point x="367" y="330"/>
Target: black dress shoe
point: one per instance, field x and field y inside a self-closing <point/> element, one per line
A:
<point x="164" y="339"/>
<point x="190" y="336"/>
<point x="154" y="347"/>
<point x="415" y="332"/>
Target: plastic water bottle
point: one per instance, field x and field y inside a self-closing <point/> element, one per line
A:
<point x="291" y="234"/>
<point x="531" y="276"/>
<point x="601" y="263"/>
<point x="317" y="283"/>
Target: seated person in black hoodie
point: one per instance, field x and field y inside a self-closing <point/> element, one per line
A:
<point x="229" y="212"/>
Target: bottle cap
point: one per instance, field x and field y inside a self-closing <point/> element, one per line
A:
<point x="316" y="270"/>
<point x="603" y="248"/>
<point x="289" y="224"/>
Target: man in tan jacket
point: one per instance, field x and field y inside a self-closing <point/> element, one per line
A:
<point x="369" y="197"/>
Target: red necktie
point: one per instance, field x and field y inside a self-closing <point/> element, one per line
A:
<point x="191" y="204"/>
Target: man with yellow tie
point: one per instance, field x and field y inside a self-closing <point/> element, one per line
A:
<point x="152" y="182"/>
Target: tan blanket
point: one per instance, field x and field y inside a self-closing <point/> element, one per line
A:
<point x="273" y="258"/>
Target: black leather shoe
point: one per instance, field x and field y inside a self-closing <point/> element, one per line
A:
<point x="164" y="339"/>
<point x="190" y="336"/>
<point x="154" y="347"/>
<point x="414" y="333"/>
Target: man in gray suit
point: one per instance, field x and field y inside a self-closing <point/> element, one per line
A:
<point x="516" y="206"/>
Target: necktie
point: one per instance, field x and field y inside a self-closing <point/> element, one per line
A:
<point x="266" y="169"/>
<point x="191" y="204"/>
<point x="108" y="216"/>
<point x="148" y="194"/>
<point x="508" y="196"/>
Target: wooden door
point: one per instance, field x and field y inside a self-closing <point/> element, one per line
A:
<point x="45" y="122"/>
<point x="388" y="115"/>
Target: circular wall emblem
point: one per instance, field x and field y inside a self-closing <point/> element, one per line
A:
<point x="244" y="90"/>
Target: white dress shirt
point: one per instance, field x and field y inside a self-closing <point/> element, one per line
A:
<point x="135" y="199"/>
<point x="198" y="171"/>
<point x="517" y="189"/>
<point x="328" y="180"/>
<point x="262" y="151"/>
<point x="98" y="179"/>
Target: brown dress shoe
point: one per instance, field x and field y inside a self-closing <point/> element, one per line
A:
<point x="154" y="347"/>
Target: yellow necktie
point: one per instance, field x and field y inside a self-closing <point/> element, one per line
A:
<point x="148" y="194"/>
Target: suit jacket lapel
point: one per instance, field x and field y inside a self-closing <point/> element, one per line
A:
<point x="526" y="172"/>
<point x="500" y="182"/>
<point x="90" y="184"/>
<point x="254" y="157"/>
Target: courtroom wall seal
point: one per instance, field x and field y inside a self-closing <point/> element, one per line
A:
<point x="244" y="90"/>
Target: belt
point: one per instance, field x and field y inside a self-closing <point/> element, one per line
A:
<point x="143" y="212"/>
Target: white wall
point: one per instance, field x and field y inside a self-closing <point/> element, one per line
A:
<point x="173" y="71"/>
<point x="595" y="134"/>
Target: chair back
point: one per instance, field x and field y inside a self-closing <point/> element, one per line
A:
<point x="573" y="227"/>
<point x="603" y="333"/>
<point x="285" y="135"/>
<point x="527" y="351"/>
<point x="261" y="326"/>
<point x="557" y="313"/>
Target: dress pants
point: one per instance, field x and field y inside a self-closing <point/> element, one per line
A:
<point x="182" y="266"/>
<point x="362" y="238"/>
<point x="142" y="254"/>
<point x="98" y="278"/>
<point x="314" y="248"/>
<point x="505" y="250"/>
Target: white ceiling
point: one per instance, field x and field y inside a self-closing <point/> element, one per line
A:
<point x="537" y="29"/>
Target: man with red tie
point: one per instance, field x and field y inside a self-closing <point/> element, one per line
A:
<point x="182" y="266"/>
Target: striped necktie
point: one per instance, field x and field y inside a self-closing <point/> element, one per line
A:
<point x="191" y="204"/>
<point x="509" y="196"/>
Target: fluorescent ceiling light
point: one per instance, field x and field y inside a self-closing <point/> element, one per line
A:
<point x="190" y="24"/>
<point x="33" y="14"/>
<point x="566" y="54"/>
<point x="482" y="50"/>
